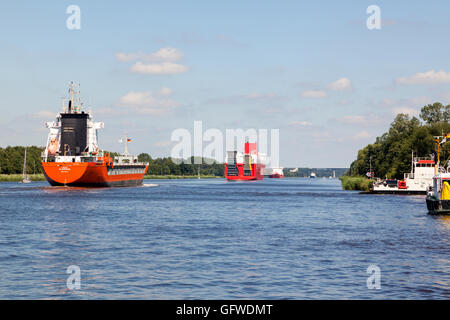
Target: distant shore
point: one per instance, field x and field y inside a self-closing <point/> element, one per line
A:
<point x="41" y="177"/>
<point x="170" y="176"/>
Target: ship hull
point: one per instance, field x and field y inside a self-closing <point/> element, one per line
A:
<point x="435" y="206"/>
<point x="92" y="174"/>
<point x="276" y="176"/>
<point x="258" y="170"/>
<point x="397" y="191"/>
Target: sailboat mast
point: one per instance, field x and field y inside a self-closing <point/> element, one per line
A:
<point x="24" y="164"/>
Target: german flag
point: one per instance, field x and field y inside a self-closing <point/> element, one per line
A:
<point x="128" y="140"/>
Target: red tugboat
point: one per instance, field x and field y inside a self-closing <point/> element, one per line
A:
<point x="72" y="156"/>
<point x="247" y="166"/>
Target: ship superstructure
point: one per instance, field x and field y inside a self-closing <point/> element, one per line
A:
<point x="249" y="165"/>
<point x="72" y="156"/>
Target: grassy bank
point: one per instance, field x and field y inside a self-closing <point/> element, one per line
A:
<point x="178" y="177"/>
<point x="18" y="177"/>
<point x="355" y="183"/>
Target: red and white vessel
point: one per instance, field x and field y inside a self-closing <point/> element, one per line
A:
<point x="418" y="181"/>
<point x="72" y="156"/>
<point x="249" y="165"/>
<point x="277" y="173"/>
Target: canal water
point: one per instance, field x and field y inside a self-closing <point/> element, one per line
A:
<point x="289" y="238"/>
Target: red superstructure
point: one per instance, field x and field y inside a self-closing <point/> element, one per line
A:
<point x="72" y="157"/>
<point x="247" y="166"/>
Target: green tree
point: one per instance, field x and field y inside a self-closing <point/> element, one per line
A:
<point x="434" y="113"/>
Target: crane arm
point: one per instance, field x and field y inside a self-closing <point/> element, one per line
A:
<point x="445" y="139"/>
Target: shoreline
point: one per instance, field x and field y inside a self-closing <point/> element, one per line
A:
<point x="41" y="177"/>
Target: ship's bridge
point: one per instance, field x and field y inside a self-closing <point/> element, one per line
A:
<point x="422" y="168"/>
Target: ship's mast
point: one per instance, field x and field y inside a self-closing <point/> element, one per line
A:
<point x="73" y="99"/>
<point x="439" y="140"/>
<point x="126" y="146"/>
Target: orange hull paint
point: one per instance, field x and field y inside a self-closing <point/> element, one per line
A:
<point x="89" y="174"/>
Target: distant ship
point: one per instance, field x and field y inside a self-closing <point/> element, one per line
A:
<point x="249" y="165"/>
<point x="277" y="173"/>
<point x="72" y="156"/>
<point x="312" y="175"/>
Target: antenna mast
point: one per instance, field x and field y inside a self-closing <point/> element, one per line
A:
<point x="73" y="99"/>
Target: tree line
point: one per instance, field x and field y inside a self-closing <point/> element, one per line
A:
<point x="390" y="154"/>
<point x="11" y="162"/>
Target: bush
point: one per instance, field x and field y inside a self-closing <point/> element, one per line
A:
<point x="355" y="183"/>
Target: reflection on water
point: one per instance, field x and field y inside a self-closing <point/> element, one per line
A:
<point x="182" y="239"/>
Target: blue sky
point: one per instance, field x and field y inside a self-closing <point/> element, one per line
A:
<point x="311" y="69"/>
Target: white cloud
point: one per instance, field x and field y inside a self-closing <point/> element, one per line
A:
<point x="353" y="120"/>
<point x="158" y="68"/>
<point x="314" y="94"/>
<point x="340" y="85"/>
<point x="147" y="102"/>
<point x="162" y="55"/>
<point x="362" y="135"/>
<point x="261" y="96"/>
<point x="361" y="120"/>
<point x="264" y="98"/>
<point x="301" y="123"/>
<point x="409" y="106"/>
<point x="429" y="77"/>
<point x="164" y="91"/>
<point x="410" y="111"/>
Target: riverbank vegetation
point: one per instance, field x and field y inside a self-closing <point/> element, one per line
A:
<point x="390" y="154"/>
<point x="11" y="163"/>
<point x="18" y="177"/>
<point x="355" y="183"/>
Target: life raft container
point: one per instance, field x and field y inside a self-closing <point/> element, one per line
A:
<point x="402" y="184"/>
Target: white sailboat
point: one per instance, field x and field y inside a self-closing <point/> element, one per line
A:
<point x="25" y="178"/>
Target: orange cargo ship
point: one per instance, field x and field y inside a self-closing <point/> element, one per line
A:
<point x="72" y="156"/>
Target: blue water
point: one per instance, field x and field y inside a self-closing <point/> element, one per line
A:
<point x="211" y="239"/>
